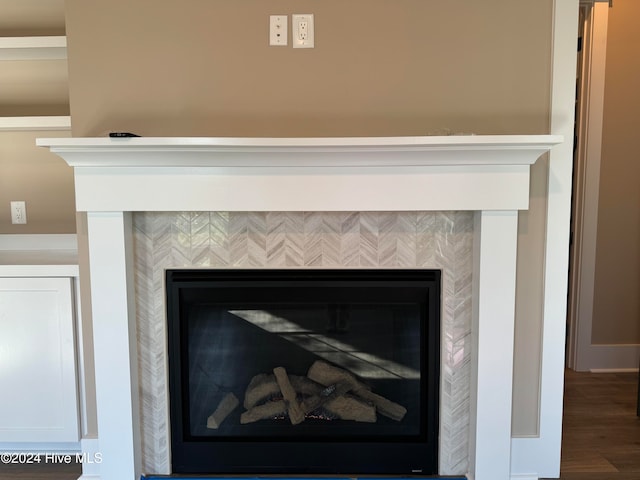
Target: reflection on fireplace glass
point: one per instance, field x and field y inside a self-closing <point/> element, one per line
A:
<point x="313" y="369"/>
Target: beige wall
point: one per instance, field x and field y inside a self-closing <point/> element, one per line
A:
<point x="380" y="67"/>
<point x="408" y="67"/>
<point x="43" y="180"/>
<point x="616" y="307"/>
<point x="33" y="87"/>
<point x="31" y="17"/>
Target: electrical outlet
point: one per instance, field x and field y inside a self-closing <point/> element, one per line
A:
<point x="302" y="31"/>
<point x="278" y="30"/>
<point x="18" y="213"/>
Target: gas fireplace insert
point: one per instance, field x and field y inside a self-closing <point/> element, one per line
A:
<point x="303" y="371"/>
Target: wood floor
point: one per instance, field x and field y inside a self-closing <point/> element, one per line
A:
<point x="40" y="471"/>
<point x="601" y="433"/>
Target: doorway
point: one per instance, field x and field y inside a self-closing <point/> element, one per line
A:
<point x="590" y="77"/>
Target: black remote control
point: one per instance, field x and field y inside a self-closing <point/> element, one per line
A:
<point x="122" y="135"/>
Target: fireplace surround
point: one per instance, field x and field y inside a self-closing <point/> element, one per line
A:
<point x="306" y="241"/>
<point x="488" y="175"/>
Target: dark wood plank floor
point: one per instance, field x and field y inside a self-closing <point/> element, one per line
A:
<point x="601" y="433"/>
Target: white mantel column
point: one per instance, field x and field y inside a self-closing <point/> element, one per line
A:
<point x="115" y="348"/>
<point x="496" y="238"/>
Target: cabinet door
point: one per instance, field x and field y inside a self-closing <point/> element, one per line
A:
<point x="38" y="394"/>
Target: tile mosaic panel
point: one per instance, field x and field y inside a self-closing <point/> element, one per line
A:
<point x="442" y="240"/>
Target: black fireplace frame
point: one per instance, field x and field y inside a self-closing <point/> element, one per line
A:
<point x="417" y="455"/>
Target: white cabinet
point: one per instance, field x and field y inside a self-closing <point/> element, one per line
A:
<point x="39" y="401"/>
<point x="39" y="381"/>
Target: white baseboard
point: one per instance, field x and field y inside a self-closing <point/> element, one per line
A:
<point x="512" y="477"/>
<point x="614" y="370"/>
<point x="92" y="458"/>
<point x="611" y="358"/>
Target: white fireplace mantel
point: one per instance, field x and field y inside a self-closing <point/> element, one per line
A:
<point x="239" y="151"/>
<point x="465" y="172"/>
<point x="485" y="174"/>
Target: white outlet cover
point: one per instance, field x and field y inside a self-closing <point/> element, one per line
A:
<point x="297" y="41"/>
<point x="18" y="212"/>
<point x="278" y="30"/>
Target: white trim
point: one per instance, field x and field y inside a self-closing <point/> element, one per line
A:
<point x="540" y="456"/>
<point x="494" y="277"/>
<point x="92" y="459"/>
<point x="48" y="123"/>
<point x="332" y="144"/>
<point x="614" y="370"/>
<point x="114" y="346"/>
<point x="304" y="189"/>
<point x="614" y="357"/>
<point x="38" y="255"/>
<point x="340" y="152"/>
<point x="581" y="355"/>
<point x="33" y="48"/>
<point x="82" y="359"/>
<point x="324" y="174"/>
<point x="41" y="270"/>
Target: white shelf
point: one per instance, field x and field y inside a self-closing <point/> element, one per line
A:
<point x="38" y="264"/>
<point x="33" y="48"/>
<point x="180" y="152"/>
<point x="53" y="255"/>
<point x="45" y="123"/>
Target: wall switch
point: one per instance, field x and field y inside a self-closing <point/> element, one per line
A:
<point x="302" y="31"/>
<point x="278" y="30"/>
<point x="18" y="213"/>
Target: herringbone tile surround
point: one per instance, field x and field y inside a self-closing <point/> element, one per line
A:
<point x="440" y="240"/>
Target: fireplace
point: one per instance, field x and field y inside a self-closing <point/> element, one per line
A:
<point x="121" y="183"/>
<point x="276" y="371"/>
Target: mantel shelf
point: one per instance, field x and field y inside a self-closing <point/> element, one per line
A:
<point x="184" y="152"/>
<point x="304" y="174"/>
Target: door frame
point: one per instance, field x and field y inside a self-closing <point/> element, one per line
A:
<point x="582" y="354"/>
